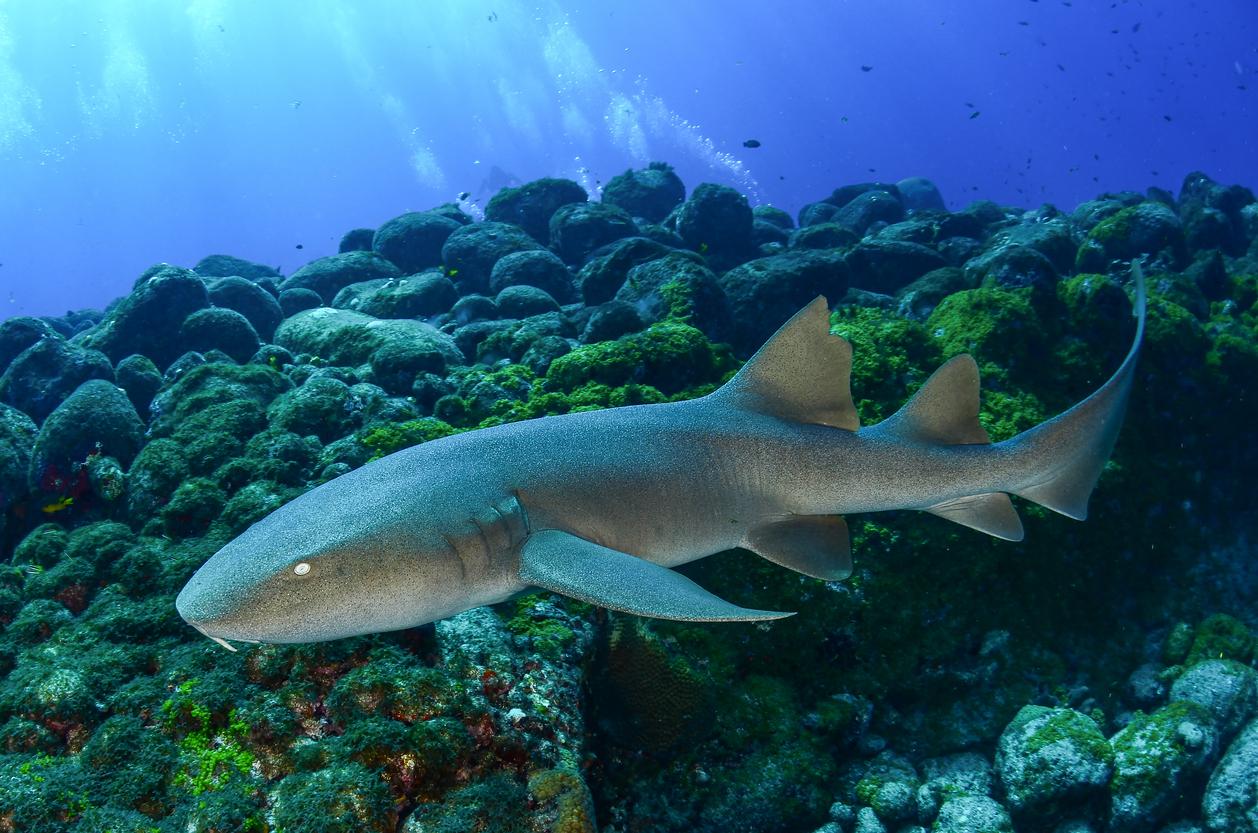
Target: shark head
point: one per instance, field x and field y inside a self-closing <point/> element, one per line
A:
<point x="316" y="570"/>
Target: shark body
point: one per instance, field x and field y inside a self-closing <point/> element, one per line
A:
<point x="600" y="505"/>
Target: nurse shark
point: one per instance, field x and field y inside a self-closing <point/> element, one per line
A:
<point x="601" y="505"/>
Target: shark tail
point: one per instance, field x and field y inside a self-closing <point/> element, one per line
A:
<point x="1063" y="457"/>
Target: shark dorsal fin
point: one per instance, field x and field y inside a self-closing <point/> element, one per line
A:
<point x="802" y="374"/>
<point x="944" y="411"/>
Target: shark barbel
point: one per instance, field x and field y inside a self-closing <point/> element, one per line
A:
<point x="600" y="505"/>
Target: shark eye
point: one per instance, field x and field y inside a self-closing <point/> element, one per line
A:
<point x="301" y="569"/>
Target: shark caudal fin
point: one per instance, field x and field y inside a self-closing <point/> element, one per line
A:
<point x="1065" y="455"/>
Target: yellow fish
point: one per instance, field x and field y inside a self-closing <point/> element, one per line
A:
<point x="58" y="505"/>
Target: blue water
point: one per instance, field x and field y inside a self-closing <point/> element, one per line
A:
<point x="137" y="131"/>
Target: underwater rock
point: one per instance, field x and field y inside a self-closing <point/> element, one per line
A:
<point x="531" y="205"/>
<point x="919" y="299"/>
<point x="539" y="268"/>
<point x="97" y="418"/>
<point x="521" y="301"/>
<point x="765" y="292"/>
<point x="348" y="338"/>
<point x="1147" y="228"/>
<point x="1230" y="804"/>
<point x="148" y="320"/>
<point x="822" y="236"/>
<point x="225" y="266"/>
<point x="949" y="776"/>
<point x="887" y="266"/>
<point x="413" y="241"/>
<point x="972" y="814"/>
<point x="675" y="286"/>
<point x="44" y="374"/>
<point x="815" y="213"/>
<point x="773" y="216"/>
<point x="650" y="193"/>
<point x="17" y="433"/>
<point x="1051" y="760"/>
<point x="250" y="300"/>
<point x="1159" y="758"/>
<point x="470" y="253"/>
<point x="473" y="308"/>
<point x="1052" y="238"/>
<point x="17" y="334"/>
<point x="611" y="321"/>
<point x="1225" y="688"/>
<point x="154" y="475"/>
<point x="1011" y="267"/>
<point x="416" y="296"/>
<point x="1213" y="214"/>
<point x="219" y="328"/>
<point x="356" y="240"/>
<point x="578" y="229"/>
<point x="716" y="222"/>
<point x="396" y="363"/>
<point x="329" y="275"/>
<point x="920" y="194"/>
<point x="765" y="234"/>
<point x="607" y="268"/>
<point x="874" y="206"/>
<point x="293" y="301"/>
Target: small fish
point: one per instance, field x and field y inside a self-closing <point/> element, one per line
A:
<point x="57" y="505"/>
<point x="843" y="119"/>
<point x="703" y="248"/>
<point x="464" y="195"/>
<point x="974" y="115"/>
<point x="866" y="68"/>
<point x="751" y="143"/>
<point x="1168" y="118"/>
<point x="300" y="246"/>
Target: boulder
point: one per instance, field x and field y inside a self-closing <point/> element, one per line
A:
<point x="413" y="241"/>
<point x="874" y="206"/>
<point x="356" y="240"/>
<point x="578" y="229"/>
<point x="765" y="292"/>
<point x="1052" y="760"/>
<point x="329" y="275"/>
<point x="677" y="287"/>
<point x="650" y="193"/>
<point x="716" y="221"/>
<point x="523" y="301"/>
<point x="470" y="253"/>
<point x="887" y="266"/>
<point x="16" y="334"/>
<point x="531" y="205"/>
<point x="46" y="373"/>
<point x="219" y="328"/>
<point x="225" y="266"/>
<point x="604" y="273"/>
<point x="539" y="268"/>
<point x="920" y="194"/>
<point x="148" y="320"/>
<point x="97" y="418"/>
<point x="140" y="378"/>
<point x="293" y="301"/>
<point x="1231" y="799"/>
<point x="348" y="338"/>
<point x="1225" y="688"/>
<point x="250" y="300"/>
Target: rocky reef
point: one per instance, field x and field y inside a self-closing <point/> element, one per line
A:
<point x="1096" y="677"/>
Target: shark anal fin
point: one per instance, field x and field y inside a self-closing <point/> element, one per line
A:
<point x="802" y="374"/>
<point x="992" y="513"/>
<point x="815" y="545"/>
<point x="565" y="563"/>
<point x="944" y="411"/>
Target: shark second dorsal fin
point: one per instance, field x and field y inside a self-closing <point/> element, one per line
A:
<point x="802" y="374"/>
<point x="944" y="411"/>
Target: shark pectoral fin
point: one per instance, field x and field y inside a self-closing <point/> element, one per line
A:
<point x="992" y="513"/>
<point x="815" y="545"/>
<point x="564" y="563"/>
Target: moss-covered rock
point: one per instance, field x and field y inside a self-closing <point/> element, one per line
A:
<point x="1051" y="761"/>
<point x="413" y="241"/>
<point x="329" y="275"/>
<point x="346" y="338"/>
<point x="470" y="253"/>
<point x="45" y="374"/>
<point x="1158" y="760"/>
<point x="651" y="192"/>
<point x="669" y="356"/>
<point x="531" y="205"/>
<point x="148" y="320"/>
<point x="97" y="418"/>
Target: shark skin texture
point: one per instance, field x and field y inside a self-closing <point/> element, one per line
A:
<point x="600" y="505"/>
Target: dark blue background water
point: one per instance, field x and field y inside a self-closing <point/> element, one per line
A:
<point x="136" y="131"/>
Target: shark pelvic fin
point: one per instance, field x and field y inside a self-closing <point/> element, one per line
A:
<point x="801" y="374"/>
<point x="944" y="411"/>
<point x="816" y="545"/>
<point x="992" y="513"/>
<point x="564" y="563"/>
